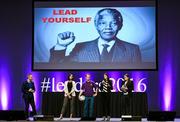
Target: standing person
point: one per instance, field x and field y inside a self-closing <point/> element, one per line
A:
<point x="87" y="90"/>
<point x="127" y="87"/>
<point x="69" y="95"/>
<point x="106" y="87"/>
<point x="28" y="90"/>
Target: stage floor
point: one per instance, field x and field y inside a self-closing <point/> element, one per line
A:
<point x="97" y="119"/>
<point x="100" y="119"/>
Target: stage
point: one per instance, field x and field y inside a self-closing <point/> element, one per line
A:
<point x="52" y="103"/>
<point x="52" y="49"/>
<point x="97" y="119"/>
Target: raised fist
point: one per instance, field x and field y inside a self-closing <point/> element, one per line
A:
<point x="64" y="39"/>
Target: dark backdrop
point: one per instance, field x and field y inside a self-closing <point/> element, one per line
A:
<point x="16" y="54"/>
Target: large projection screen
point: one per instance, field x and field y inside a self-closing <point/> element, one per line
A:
<point x="94" y="35"/>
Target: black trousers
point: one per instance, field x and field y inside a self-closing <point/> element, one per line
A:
<point x="29" y="100"/>
<point x="127" y="105"/>
<point x="106" y="98"/>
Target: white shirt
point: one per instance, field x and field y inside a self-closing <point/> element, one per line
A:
<point x="101" y="42"/>
<point x="72" y="90"/>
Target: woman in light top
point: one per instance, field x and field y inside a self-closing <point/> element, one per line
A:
<point x="69" y="95"/>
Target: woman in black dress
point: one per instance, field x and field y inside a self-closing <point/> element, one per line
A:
<point x="127" y="87"/>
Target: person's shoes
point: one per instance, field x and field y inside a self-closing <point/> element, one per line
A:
<point x="104" y="118"/>
<point x="108" y="118"/>
<point x="61" y="117"/>
<point x="70" y="118"/>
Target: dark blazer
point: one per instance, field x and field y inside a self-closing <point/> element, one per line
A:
<point x="130" y="85"/>
<point x="108" y="88"/>
<point x="88" y="52"/>
<point x="25" y="88"/>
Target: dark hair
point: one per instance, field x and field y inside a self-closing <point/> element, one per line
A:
<point x="107" y="76"/>
<point x="115" y="13"/>
<point x="127" y="75"/>
<point x="69" y="76"/>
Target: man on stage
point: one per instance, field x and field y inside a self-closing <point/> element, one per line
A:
<point x="87" y="90"/>
<point x="28" y="90"/>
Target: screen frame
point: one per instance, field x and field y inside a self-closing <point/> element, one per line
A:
<point x="70" y="2"/>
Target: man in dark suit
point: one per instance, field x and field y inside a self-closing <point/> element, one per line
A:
<point x="127" y="87"/>
<point x="106" y="48"/>
<point x="28" y="90"/>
